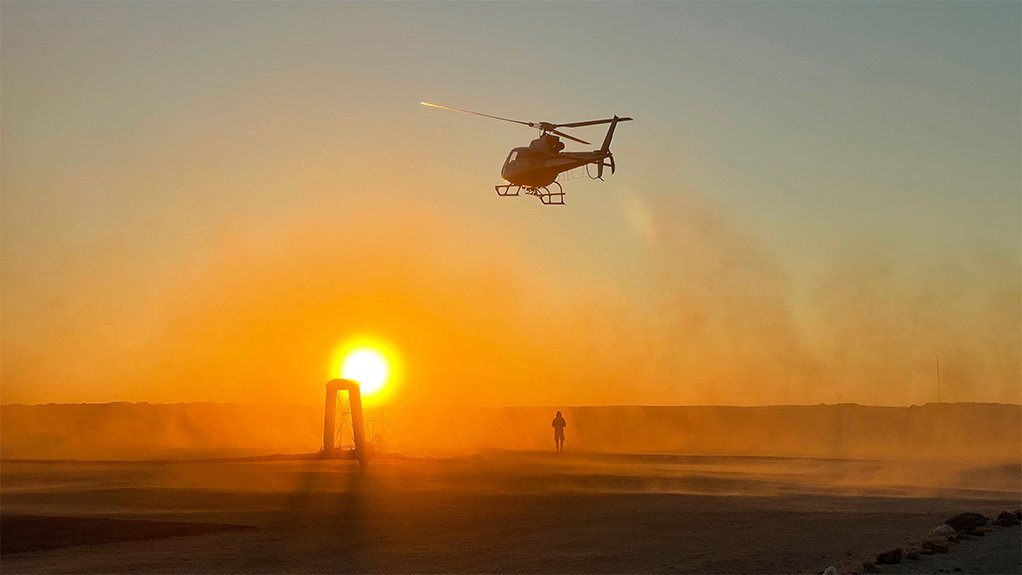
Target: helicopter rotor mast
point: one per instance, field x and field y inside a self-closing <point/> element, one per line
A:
<point x="544" y="127"/>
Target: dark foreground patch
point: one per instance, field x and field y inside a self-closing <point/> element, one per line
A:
<point x="20" y="533"/>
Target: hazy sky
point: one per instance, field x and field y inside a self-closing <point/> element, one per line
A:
<point x="202" y="200"/>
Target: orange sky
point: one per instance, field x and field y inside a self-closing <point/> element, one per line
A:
<point x="477" y="319"/>
<point x="202" y="201"/>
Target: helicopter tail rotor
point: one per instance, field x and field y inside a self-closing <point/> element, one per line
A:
<point x="607" y="162"/>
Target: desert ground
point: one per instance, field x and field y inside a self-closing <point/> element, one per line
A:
<point x="498" y="511"/>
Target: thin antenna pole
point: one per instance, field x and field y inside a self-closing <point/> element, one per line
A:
<point x="938" y="378"/>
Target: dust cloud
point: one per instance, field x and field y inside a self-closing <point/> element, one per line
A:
<point x="733" y="450"/>
<point x="255" y="315"/>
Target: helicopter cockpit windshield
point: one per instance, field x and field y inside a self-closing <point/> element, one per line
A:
<point x="518" y="155"/>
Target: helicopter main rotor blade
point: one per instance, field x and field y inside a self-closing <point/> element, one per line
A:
<point x="591" y="123"/>
<point x="530" y="124"/>
<point x="570" y="137"/>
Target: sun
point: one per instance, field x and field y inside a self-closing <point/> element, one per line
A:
<point x="373" y="363"/>
<point x="369" y="367"/>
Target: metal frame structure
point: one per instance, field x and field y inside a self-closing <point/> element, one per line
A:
<point x="361" y="451"/>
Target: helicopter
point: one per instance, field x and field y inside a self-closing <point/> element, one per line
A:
<point x="533" y="168"/>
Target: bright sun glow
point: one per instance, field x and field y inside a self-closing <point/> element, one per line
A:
<point x="368" y="367"/>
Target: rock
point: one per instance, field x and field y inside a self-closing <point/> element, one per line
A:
<point x="944" y="530"/>
<point x="927" y="551"/>
<point x="934" y="546"/>
<point x="1005" y="519"/>
<point x="889" y="557"/>
<point x="912" y="555"/>
<point x="977" y="532"/>
<point x="1018" y="514"/>
<point x="830" y="570"/>
<point x="966" y="521"/>
<point x="869" y="567"/>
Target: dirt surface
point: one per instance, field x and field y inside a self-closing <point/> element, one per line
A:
<point x="21" y="533"/>
<point x="501" y="512"/>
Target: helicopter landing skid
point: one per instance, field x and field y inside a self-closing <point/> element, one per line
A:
<point x="544" y="194"/>
<point x="550" y="198"/>
<point x="505" y="190"/>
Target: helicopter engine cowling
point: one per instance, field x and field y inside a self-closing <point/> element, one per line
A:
<point x="547" y="144"/>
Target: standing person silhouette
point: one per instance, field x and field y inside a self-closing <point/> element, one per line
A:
<point x="559" y="424"/>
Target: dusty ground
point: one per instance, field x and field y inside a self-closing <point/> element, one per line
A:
<point x="505" y="512"/>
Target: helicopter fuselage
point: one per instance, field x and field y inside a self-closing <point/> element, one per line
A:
<point x="542" y="161"/>
<point x="538" y="170"/>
